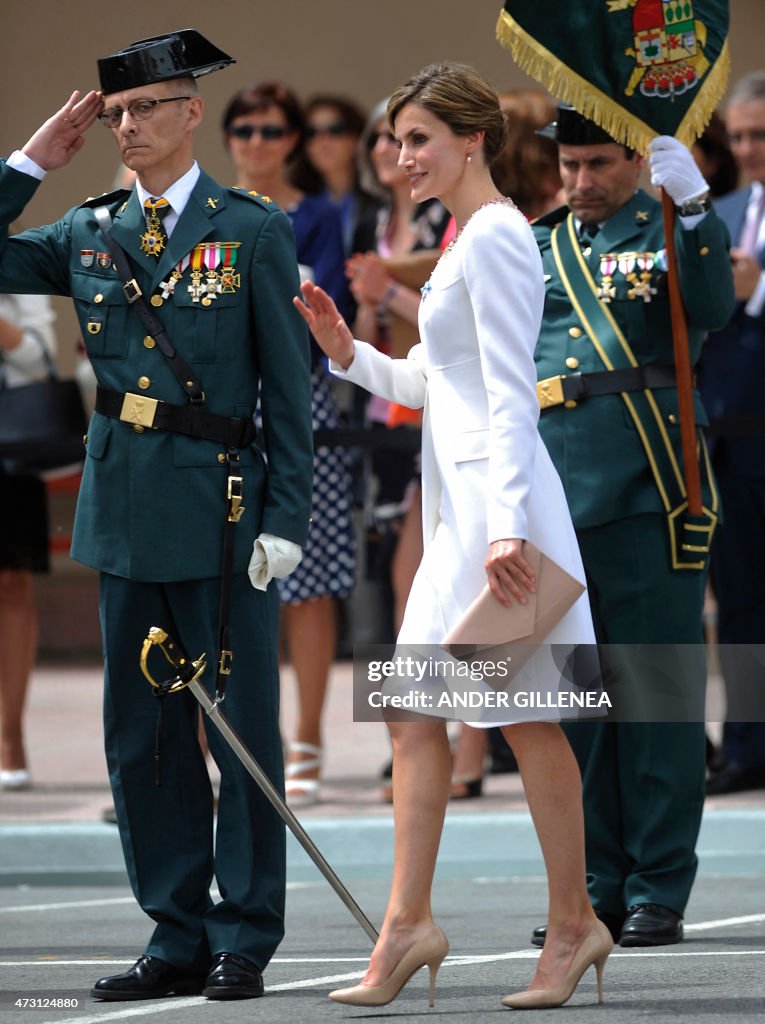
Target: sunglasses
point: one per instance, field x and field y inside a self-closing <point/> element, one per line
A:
<point x="333" y="130"/>
<point x="376" y="136"/>
<point x="269" y="132"/>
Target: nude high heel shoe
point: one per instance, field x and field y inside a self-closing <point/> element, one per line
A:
<point x="428" y="951"/>
<point x="594" y="950"/>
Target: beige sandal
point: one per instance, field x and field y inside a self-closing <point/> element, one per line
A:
<point x="302" y="792"/>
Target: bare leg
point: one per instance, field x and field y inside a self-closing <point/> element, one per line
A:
<point x="421" y="781"/>
<point x="553" y="788"/>
<point x="18" y="646"/>
<point x="310" y="629"/>
<point x="407" y="556"/>
<point x="468" y="759"/>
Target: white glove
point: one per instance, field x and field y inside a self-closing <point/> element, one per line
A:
<point x="272" y="558"/>
<point x="674" y="169"/>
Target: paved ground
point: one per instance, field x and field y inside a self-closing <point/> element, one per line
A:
<point x="67" y="917"/>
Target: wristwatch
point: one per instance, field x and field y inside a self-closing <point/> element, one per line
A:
<point x="693" y="207"/>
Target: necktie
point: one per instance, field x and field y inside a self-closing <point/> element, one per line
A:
<point x="154" y="238"/>
<point x="751" y="230"/>
<point x="587" y="233"/>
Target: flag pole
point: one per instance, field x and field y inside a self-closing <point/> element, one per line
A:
<point x="683" y="371"/>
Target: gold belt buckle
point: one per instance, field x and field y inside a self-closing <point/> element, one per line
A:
<point x="138" y="409"/>
<point x="550" y="391"/>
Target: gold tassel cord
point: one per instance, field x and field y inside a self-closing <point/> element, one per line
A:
<point x="591" y="102"/>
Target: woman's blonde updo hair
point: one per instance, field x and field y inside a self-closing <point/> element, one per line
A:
<point x="458" y="96"/>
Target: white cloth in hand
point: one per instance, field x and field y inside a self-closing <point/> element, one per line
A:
<point x="674" y="169"/>
<point x="272" y="558"/>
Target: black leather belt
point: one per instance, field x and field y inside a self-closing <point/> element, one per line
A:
<point x="191" y="420"/>
<point x="575" y="387"/>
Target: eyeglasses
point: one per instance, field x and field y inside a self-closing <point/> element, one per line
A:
<point x="333" y="130"/>
<point x="375" y="137"/>
<point x="269" y="132"/>
<point x="139" y="110"/>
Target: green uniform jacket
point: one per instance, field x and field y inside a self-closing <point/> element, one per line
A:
<point x="152" y="505"/>
<point x="595" y="445"/>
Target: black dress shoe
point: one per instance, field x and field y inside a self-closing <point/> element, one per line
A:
<point x="613" y="922"/>
<point x="233" y="977"/>
<point x="649" y="924"/>
<point x="735" y="778"/>
<point x="149" y="978"/>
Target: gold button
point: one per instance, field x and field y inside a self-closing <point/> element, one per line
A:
<point x="575" y="332"/>
<point x="570" y="404"/>
<point x="138" y="428"/>
<point x="156" y="300"/>
<point x="98" y="298"/>
<point x="189" y="383"/>
<point x="149" y="342"/>
<point x="221" y="457"/>
<point x="144" y="382"/>
<point x="84" y="438"/>
<point x="672" y="418"/>
<point x="704" y="250"/>
<point x="572" y="362"/>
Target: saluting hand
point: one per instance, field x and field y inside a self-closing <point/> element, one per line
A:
<point x="54" y="144"/>
<point x="326" y="325"/>
<point x="508" y="572"/>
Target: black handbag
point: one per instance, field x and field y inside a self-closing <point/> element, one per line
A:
<point x="41" y="424"/>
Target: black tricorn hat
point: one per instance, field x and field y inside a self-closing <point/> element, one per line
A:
<point x="571" y="129"/>
<point x="159" y="59"/>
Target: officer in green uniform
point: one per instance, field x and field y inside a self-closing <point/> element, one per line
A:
<point x="610" y="421"/>
<point x="170" y="464"/>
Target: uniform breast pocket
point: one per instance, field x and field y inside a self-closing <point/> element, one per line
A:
<point x="103" y="313"/>
<point x="470" y="445"/>
<point x="206" y="329"/>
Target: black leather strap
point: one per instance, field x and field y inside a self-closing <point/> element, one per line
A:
<point x="191" y="420"/>
<point x="579" y="386"/>
<point x="151" y="322"/>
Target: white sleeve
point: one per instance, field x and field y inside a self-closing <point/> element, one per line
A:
<point x="34" y="316"/>
<point x="757" y="298"/>
<point x="398" y="380"/>
<point x="503" y="273"/>
<point x="21" y="162"/>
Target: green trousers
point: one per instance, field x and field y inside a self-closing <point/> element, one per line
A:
<point x="164" y="802"/>
<point x="643" y="780"/>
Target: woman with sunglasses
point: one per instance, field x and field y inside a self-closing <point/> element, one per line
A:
<point x="488" y="485"/>
<point x="264" y="129"/>
<point x="334" y="126"/>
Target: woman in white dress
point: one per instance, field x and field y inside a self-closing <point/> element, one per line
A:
<point x="488" y="485"/>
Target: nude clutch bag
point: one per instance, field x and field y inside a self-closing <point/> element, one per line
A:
<point x="515" y="631"/>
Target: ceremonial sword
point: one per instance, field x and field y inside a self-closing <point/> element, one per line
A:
<point x="188" y="674"/>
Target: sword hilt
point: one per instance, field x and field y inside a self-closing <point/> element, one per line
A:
<point x="187" y="671"/>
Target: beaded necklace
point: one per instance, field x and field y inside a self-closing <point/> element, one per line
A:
<point x="500" y="200"/>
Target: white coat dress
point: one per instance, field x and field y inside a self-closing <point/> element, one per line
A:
<point x="486" y="474"/>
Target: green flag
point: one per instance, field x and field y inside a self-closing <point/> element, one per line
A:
<point x="638" y="68"/>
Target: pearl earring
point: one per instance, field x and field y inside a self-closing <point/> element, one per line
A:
<point x="469" y="157"/>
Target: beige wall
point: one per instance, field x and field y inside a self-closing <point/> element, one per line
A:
<point x="361" y="47"/>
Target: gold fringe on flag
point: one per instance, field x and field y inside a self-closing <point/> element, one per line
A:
<point x="569" y="87"/>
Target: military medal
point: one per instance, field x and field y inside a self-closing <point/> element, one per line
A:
<point x="104" y="260"/>
<point x="196" y="289"/>
<point x="608" y="264"/>
<point x="229" y="280"/>
<point x="86" y="257"/>
<point x="212" y="283"/>
<point x="642" y="288"/>
<point x="153" y="239"/>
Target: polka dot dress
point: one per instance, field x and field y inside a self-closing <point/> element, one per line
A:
<point x="327" y="566"/>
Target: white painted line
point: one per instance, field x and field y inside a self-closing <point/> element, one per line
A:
<point x="65" y="906"/>
<point x="725" y="922"/>
<point x="26" y="908"/>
